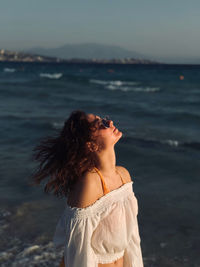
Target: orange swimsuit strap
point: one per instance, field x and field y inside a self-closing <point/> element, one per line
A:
<point x="105" y="189"/>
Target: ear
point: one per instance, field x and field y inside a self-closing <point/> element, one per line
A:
<point x="92" y="146"/>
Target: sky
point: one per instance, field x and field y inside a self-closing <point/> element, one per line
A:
<point x="161" y="29"/>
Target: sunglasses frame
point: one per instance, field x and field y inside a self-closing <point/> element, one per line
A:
<point x="105" y="122"/>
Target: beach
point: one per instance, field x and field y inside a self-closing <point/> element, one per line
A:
<point x="157" y="109"/>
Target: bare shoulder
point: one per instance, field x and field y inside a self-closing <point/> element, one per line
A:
<point x="86" y="191"/>
<point x="124" y="173"/>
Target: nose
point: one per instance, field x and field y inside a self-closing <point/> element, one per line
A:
<point x="110" y="122"/>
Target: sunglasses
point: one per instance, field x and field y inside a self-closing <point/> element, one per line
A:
<point x="105" y="122"/>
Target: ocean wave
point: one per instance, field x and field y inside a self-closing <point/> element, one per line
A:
<point x="146" y="89"/>
<point x="51" y="75"/>
<point x="176" y="143"/>
<point x="9" y="70"/>
<point x="133" y="89"/>
<point x="170" y="142"/>
<point x="20" y="250"/>
<point x="124" y="86"/>
<point x="57" y="125"/>
<point x="151" y="142"/>
<point x="114" y="83"/>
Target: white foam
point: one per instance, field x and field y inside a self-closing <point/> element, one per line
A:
<point x="172" y="142"/>
<point x="146" y="89"/>
<point x="57" y="125"/>
<point x="111" y="87"/>
<point x="134" y="89"/>
<point x="9" y="70"/>
<point x="51" y="75"/>
<point x="98" y="81"/>
<point x="116" y="82"/>
<point x="124" y="86"/>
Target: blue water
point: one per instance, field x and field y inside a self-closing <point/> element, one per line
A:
<point x="158" y="114"/>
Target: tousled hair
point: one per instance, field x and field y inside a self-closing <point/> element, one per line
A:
<point x="64" y="158"/>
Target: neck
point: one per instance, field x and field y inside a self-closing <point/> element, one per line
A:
<point x="106" y="161"/>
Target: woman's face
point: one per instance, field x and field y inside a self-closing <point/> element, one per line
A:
<point x="106" y="137"/>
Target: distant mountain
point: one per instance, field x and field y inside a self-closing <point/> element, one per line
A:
<point x="86" y="51"/>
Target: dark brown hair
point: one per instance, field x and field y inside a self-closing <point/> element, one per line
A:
<point x="65" y="158"/>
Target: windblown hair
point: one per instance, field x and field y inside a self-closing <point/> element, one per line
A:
<point x="65" y="158"/>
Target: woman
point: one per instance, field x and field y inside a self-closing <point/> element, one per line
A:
<point x="99" y="226"/>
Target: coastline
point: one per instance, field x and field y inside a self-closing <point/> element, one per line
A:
<point x="10" y="56"/>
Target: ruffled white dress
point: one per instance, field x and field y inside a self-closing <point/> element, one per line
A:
<point x="102" y="232"/>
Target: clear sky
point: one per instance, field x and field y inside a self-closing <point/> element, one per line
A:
<point x="159" y="28"/>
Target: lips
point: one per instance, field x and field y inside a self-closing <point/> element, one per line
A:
<point x="114" y="129"/>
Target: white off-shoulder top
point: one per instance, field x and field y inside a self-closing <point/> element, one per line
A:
<point x="102" y="232"/>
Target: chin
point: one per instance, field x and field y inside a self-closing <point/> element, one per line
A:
<point x="119" y="135"/>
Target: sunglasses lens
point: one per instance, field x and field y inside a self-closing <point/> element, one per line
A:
<point x="106" y="122"/>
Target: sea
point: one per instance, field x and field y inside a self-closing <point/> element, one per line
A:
<point x="156" y="107"/>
